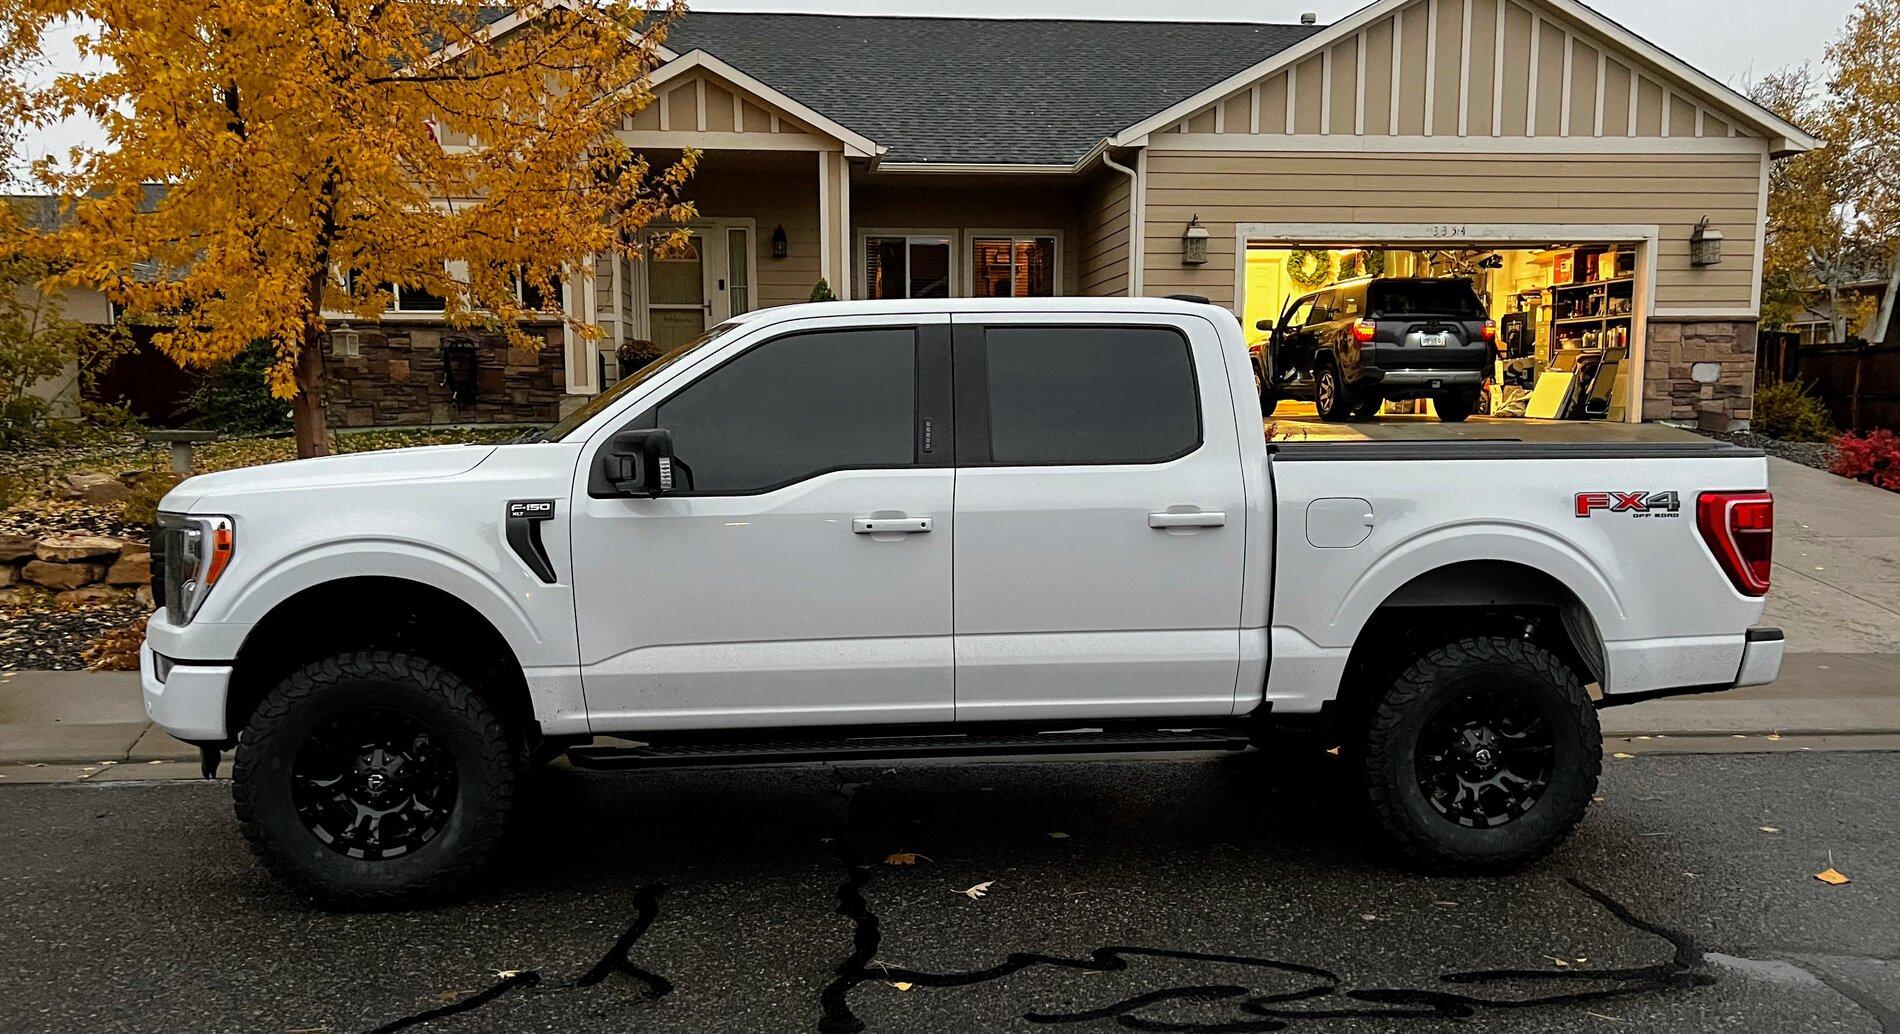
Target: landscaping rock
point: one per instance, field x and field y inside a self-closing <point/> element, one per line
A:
<point x="143" y="594"/>
<point x="9" y="575"/>
<point x="60" y="576"/>
<point x="97" y="488"/>
<point x="15" y="547"/>
<point x="132" y="568"/>
<point x="90" y="596"/>
<point x="67" y="548"/>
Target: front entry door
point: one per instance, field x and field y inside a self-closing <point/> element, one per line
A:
<point x="1101" y="519"/>
<point x="698" y="285"/>
<point x="801" y="574"/>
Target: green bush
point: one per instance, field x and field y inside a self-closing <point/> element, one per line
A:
<point x="1786" y="410"/>
<point x="821" y="292"/>
<point x="234" y="397"/>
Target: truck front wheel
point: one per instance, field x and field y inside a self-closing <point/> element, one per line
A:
<point x="1482" y="756"/>
<point x="374" y="779"/>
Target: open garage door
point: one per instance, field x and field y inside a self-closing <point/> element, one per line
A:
<point x="1391" y="317"/>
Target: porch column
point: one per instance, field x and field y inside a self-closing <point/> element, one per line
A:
<point x="834" y="222"/>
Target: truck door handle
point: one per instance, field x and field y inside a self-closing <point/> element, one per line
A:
<point x="890" y="525"/>
<point x="1197" y="519"/>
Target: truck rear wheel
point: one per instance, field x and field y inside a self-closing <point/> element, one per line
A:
<point x="1482" y="756"/>
<point x="374" y="779"/>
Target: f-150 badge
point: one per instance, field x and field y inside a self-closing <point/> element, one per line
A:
<point x="1636" y="504"/>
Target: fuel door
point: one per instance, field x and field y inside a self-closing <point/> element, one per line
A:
<point x="1339" y="522"/>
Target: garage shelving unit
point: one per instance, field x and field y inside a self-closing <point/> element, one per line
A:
<point x="1586" y="305"/>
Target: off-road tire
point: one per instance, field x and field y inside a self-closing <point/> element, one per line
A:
<point x="487" y="766"/>
<point x="1387" y="756"/>
<point x="1367" y="407"/>
<point x="1342" y="398"/>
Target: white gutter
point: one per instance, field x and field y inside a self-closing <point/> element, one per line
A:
<point x="1134" y="222"/>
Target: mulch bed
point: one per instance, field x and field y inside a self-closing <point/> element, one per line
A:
<point x="42" y="637"/>
<point x="1808" y="454"/>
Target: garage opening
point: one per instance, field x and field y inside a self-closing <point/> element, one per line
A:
<point x="1541" y="330"/>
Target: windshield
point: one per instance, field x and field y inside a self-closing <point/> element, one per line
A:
<point x="645" y="373"/>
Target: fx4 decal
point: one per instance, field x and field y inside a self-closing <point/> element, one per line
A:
<point x="1636" y="504"/>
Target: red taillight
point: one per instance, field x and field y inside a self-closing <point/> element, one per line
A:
<point x="1364" y="330"/>
<point x="1491" y="330"/>
<point x="1740" y="530"/>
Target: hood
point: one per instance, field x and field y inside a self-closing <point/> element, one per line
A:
<point x="361" y="468"/>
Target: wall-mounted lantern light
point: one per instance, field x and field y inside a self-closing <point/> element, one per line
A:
<point x="346" y="340"/>
<point x="1194" y="243"/>
<point x="780" y="246"/>
<point x="1705" y="245"/>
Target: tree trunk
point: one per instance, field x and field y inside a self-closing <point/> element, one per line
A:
<point x="307" y="407"/>
<point x="1883" y="319"/>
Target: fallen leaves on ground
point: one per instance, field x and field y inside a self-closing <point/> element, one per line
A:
<point x="904" y="858"/>
<point x="979" y="890"/>
<point x="1770" y="829"/>
<point x="1832" y="876"/>
<point x="1620" y="756"/>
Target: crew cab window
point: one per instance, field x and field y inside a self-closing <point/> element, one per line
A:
<point x="1323" y="309"/>
<point x="1296" y="316"/>
<point x="1084" y="395"/>
<point x="797" y="406"/>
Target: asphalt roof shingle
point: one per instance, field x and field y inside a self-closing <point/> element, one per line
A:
<point x="1016" y="91"/>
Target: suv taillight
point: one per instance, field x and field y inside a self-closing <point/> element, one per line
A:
<point x="1364" y="330"/>
<point x="1491" y="330"/>
<point x="1740" y="530"/>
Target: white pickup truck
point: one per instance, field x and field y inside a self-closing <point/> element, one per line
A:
<point x="936" y="528"/>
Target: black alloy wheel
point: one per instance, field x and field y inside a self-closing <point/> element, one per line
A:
<point x="373" y="783"/>
<point x="1484" y="758"/>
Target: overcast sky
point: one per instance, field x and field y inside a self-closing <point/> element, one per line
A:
<point x="1736" y="41"/>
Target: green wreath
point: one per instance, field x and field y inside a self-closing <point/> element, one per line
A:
<point x="1310" y="268"/>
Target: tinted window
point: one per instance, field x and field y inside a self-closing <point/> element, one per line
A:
<point x="1433" y="297"/>
<point x="1063" y="395"/>
<point x="1322" y="309"/>
<point x="1296" y="317"/>
<point x="1352" y="302"/>
<point x="797" y="406"/>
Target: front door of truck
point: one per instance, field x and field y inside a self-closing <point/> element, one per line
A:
<point x="800" y="573"/>
<point x="1101" y="518"/>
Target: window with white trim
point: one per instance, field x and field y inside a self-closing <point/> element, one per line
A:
<point x="907" y="266"/>
<point x="1012" y="267"/>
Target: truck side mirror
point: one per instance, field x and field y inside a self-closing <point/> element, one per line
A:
<point x="638" y="462"/>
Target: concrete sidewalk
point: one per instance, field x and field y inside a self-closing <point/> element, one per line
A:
<point x="87" y="718"/>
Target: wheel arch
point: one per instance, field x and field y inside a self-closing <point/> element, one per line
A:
<point x="366" y="612"/>
<point x="1472" y="597"/>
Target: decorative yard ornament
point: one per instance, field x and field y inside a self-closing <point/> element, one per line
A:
<point x="1194" y="243"/>
<point x="1310" y="267"/>
<point x="1705" y="245"/>
<point x="313" y="157"/>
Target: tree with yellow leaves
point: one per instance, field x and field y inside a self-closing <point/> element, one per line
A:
<point x="270" y="160"/>
<point x="1866" y="90"/>
<point x="1814" y="241"/>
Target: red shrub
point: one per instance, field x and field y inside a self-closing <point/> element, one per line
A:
<point x="1873" y="458"/>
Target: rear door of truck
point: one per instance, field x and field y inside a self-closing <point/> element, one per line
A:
<point x="1100" y="515"/>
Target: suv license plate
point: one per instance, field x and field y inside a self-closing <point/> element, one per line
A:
<point x="1439" y="340"/>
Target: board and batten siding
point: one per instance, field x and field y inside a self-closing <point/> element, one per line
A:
<point x="700" y="102"/>
<point x="1466" y="68"/>
<point x="1671" y="191"/>
<point x="1105" y="243"/>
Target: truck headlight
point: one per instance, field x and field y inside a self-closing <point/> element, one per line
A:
<point x="189" y="554"/>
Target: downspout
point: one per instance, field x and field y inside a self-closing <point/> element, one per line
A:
<point x="1134" y="221"/>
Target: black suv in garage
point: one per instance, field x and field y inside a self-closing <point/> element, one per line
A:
<point x="1359" y="343"/>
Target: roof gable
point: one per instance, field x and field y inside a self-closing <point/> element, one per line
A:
<point x="1484" y="68"/>
<point x="698" y="93"/>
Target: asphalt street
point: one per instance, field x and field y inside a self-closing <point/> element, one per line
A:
<point x="1233" y="894"/>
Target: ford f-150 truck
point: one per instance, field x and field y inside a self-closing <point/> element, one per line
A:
<point x="936" y="528"/>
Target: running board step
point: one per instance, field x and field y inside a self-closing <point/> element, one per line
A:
<point x="888" y="747"/>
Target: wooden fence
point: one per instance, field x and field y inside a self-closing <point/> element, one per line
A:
<point x="1859" y="382"/>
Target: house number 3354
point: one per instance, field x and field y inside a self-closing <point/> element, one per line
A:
<point x="1442" y="232"/>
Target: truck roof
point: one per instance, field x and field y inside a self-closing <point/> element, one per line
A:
<point x="919" y="306"/>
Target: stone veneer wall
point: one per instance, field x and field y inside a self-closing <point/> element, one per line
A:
<point x="1702" y="371"/>
<point x="397" y="379"/>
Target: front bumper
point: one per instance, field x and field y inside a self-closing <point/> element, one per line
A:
<point x="185" y="700"/>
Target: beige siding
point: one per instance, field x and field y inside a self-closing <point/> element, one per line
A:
<point x="1103" y="250"/>
<point x="1671" y="191"/>
<point x="774" y="190"/>
<point x="1521" y="70"/>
